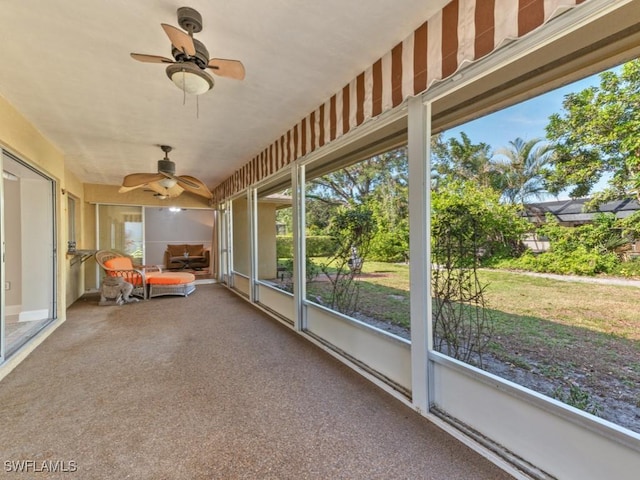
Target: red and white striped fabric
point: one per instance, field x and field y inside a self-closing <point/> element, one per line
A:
<point x="462" y="32"/>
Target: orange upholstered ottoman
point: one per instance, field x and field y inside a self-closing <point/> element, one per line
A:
<point x="170" y="283"/>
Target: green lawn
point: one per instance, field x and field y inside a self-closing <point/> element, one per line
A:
<point x="607" y="309"/>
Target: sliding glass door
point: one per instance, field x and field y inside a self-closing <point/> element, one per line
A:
<point x="120" y="227"/>
<point x="28" y="260"/>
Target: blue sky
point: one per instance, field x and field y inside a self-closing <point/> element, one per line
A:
<point x="526" y="120"/>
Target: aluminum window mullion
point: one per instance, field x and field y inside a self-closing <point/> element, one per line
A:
<point x="419" y="251"/>
<point x="299" y="247"/>
<point x="252" y="215"/>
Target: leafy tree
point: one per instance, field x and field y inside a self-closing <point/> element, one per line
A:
<point x="352" y="228"/>
<point x="380" y="184"/>
<point x="498" y="227"/>
<point x="357" y="183"/>
<point x="459" y="160"/>
<point x="390" y="243"/>
<point x="597" y="135"/>
<point x="467" y="222"/>
<point x="521" y="167"/>
<point x="284" y="216"/>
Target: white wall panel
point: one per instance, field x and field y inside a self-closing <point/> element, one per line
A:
<point x="388" y="355"/>
<point x="276" y="300"/>
<point x="559" y="440"/>
<point x="241" y="283"/>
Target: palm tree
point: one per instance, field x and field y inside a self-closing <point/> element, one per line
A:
<point x="462" y="160"/>
<point x="522" y="167"/>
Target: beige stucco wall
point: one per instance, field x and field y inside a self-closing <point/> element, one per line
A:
<point x="240" y="232"/>
<point x="20" y="137"/>
<point x="267" y="261"/>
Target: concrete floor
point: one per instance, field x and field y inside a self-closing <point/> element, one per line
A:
<point x="207" y="387"/>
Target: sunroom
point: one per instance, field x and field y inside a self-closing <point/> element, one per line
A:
<point x="457" y="63"/>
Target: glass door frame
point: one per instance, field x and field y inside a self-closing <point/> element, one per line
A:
<point x="52" y="254"/>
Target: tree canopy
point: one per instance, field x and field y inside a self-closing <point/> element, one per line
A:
<point x="521" y="166"/>
<point x="454" y="160"/>
<point x="597" y="135"/>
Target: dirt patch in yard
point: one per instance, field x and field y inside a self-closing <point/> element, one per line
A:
<point x="601" y="375"/>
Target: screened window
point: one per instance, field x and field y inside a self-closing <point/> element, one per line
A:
<point x="534" y="219"/>
<point x="357" y="240"/>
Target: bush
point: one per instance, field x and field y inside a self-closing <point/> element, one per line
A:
<point x="390" y="245"/>
<point x="317" y="246"/>
<point x="284" y="246"/>
<point x="312" y="271"/>
<point x="578" y="262"/>
<point x="589" y="249"/>
<point x="476" y="217"/>
<point x="627" y="269"/>
<point x="320" y="245"/>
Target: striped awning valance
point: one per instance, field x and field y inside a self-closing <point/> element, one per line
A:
<point x="462" y="32"/>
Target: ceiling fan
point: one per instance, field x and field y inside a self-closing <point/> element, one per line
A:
<point x="165" y="183"/>
<point x="188" y="70"/>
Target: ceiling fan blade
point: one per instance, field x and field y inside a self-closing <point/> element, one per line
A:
<point x="128" y="189"/>
<point x="227" y="68"/>
<point x="193" y="185"/>
<point x="141" y="57"/>
<point x="179" y="39"/>
<point x="136" y="180"/>
<point x="175" y="191"/>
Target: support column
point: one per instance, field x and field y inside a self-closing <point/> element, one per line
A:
<point x="252" y="218"/>
<point x="299" y="246"/>
<point x="419" y="127"/>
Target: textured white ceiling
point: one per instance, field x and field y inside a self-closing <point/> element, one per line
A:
<point x="65" y="65"/>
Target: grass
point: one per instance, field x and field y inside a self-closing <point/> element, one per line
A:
<point x="530" y="299"/>
<point x="383" y="295"/>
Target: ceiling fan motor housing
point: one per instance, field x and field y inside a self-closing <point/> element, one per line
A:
<point x="201" y="58"/>
<point x="166" y="166"/>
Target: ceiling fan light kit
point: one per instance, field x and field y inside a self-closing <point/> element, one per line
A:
<point x="168" y="182"/>
<point x="190" y="78"/>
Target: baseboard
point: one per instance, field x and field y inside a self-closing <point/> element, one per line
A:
<point x="33" y="315"/>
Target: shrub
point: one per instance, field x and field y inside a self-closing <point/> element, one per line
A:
<point x="390" y="245"/>
<point x="320" y="245"/>
<point x="578" y="262"/>
<point x="284" y="246"/>
<point x="584" y="250"/>
<point x="312" y="271"/>
<point x="317" y="246"/>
